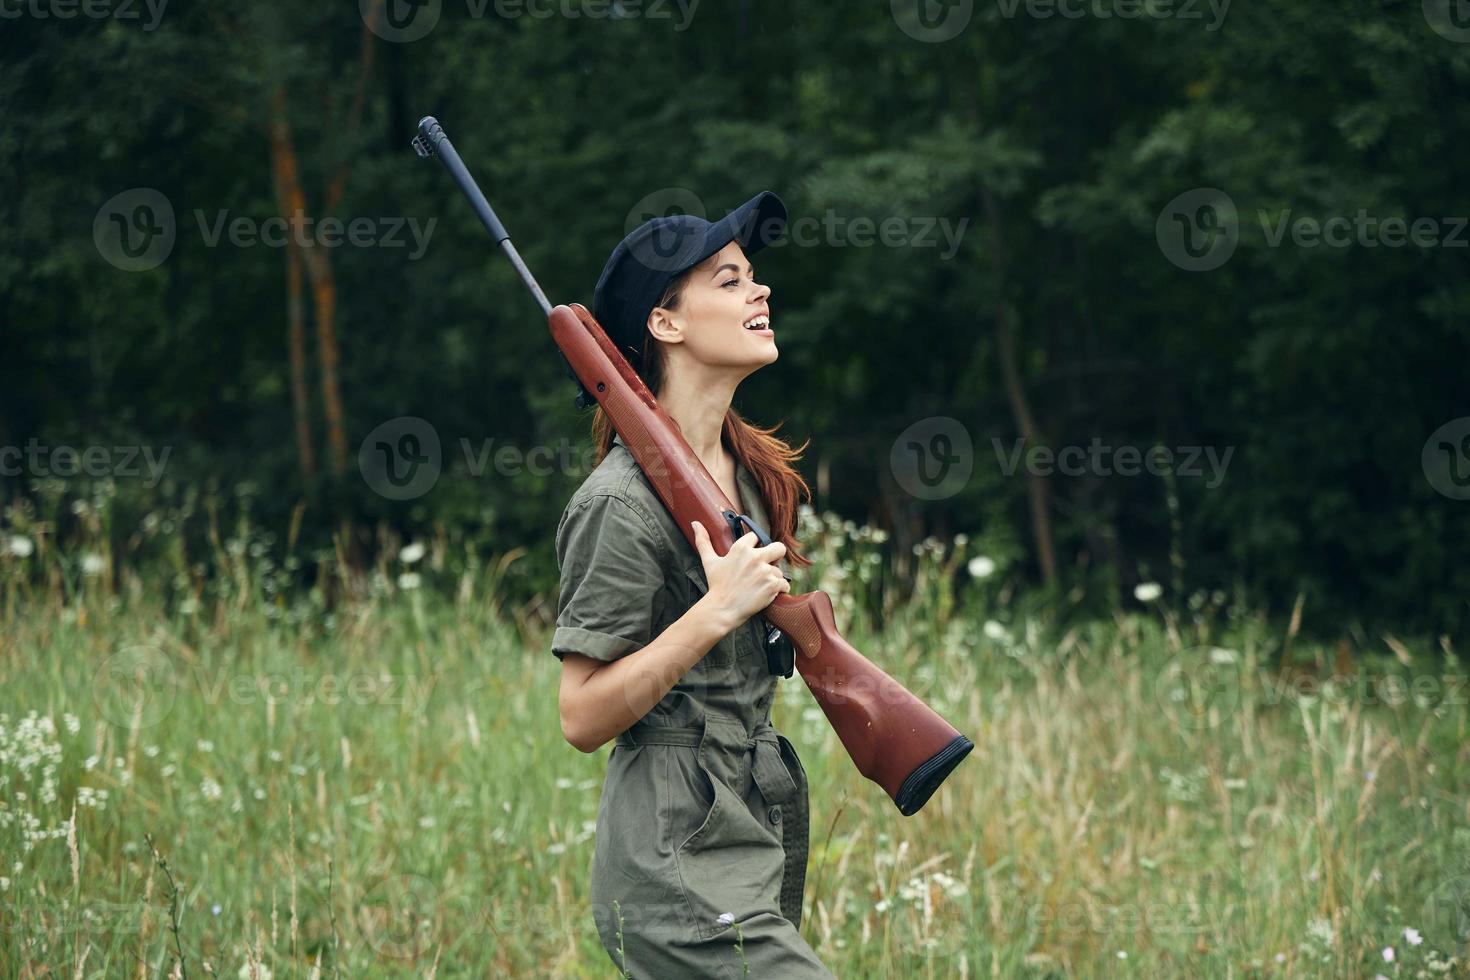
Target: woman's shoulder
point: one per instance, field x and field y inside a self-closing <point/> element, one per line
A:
<point x="618" y="478"/>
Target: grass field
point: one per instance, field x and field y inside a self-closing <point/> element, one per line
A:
<point x="381" y="788"/>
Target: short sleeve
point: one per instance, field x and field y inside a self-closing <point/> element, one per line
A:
<point x="611" y="568"/>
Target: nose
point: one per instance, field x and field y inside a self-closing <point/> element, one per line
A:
<point x="762" y="292"/>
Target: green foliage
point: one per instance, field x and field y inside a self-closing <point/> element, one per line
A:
<point x="1324" y="369"/>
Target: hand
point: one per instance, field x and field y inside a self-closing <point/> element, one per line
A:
<point x="745" y="579"/>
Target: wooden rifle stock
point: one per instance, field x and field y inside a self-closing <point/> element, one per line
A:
<point x="895" y="739"/>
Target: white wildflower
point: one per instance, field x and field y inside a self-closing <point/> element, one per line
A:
<point x="981" y="567"/>
<point x="726" y="918"/>
<point x="209" y="789"/>
<point x="408" y="580"/>
<point x="1411" y="935"/>
<point x="411" y="553"/>
<point x="93" y="565"/>
<point x="20" y="546"/>
<point x="1147" y="591"/>
<point x="1388" y="954"/>
<point x="994" y="630"/>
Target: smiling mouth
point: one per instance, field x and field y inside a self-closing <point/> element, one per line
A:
<point x="761" y="321"/>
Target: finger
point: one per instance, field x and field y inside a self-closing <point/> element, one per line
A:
<point x="748" y="540"/>
<point x="774" y="551"/>
<point x="701" y="541"/>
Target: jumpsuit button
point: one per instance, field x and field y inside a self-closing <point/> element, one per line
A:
<point x="775" y="814"/>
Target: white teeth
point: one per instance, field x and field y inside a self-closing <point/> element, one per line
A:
<point x="759" y="323"/>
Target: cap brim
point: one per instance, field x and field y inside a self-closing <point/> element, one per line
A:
<point x="755" y="224"/>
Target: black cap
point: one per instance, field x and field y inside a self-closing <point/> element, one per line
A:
<point x="657" y="251"/>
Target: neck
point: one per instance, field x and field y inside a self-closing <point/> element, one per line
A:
<point x="698" y="401"/>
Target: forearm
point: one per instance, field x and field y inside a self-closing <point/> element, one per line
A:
<point x="618" y="694"/>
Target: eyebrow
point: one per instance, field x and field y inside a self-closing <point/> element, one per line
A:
<point x="734" y="268"/>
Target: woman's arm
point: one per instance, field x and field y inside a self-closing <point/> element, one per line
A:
<point x="599" y="699"/>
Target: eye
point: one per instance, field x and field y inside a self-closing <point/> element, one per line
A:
<point x="731" y="282"/>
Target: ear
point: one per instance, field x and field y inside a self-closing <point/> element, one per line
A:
<point x="665" y="325"/>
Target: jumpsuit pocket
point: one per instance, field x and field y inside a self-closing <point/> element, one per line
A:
<point x="729" y="863"/>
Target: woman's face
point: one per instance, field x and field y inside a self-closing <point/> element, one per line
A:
<point x="724" y="315"/>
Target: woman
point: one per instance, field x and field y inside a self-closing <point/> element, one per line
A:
<point x="700" y="860"/>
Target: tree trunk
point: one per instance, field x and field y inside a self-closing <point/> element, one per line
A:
<point x="300" y="402"/>
<point x="1037" y="489"/>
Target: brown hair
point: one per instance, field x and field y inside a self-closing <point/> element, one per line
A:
<point x="768" y="457"/>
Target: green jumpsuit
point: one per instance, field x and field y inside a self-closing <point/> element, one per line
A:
<point x="702" y="821"/>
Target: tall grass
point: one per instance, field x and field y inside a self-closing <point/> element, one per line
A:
<point x="212" y="772"/>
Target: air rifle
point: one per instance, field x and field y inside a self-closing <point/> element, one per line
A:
<point x="895" y="739"/>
